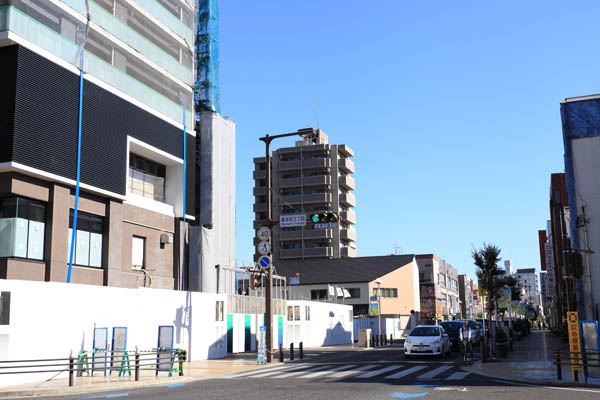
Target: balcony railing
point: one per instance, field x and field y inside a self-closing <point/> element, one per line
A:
<point x="308" y="253"/>
<point x="323" y="180"/>
<point x="348" y="234"/>
<point x="307" y="234"/>
<point x="346" y="165"/>
<point x="308" y="198"/>
<point x="348" y="199"/>
<point x="317" y="163"/>
<point x="348" y="217"/>
<point x="347" y="182"/>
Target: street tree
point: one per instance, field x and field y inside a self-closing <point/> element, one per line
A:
<point x="489" y="274"/>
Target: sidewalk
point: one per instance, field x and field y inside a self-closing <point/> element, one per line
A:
<point x="530" y="361"/>
<point x="192" y="371"/>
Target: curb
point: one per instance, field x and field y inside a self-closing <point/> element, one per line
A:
<point x="478" y="369"/>
<point x="91" y="388"/>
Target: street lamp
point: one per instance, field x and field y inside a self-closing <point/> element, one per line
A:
<point x="269" y="289"/>
<point x="378" y="281"/>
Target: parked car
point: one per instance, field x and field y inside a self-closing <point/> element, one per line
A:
<point x="427" y="340"/>
<point x="452" y="328"/>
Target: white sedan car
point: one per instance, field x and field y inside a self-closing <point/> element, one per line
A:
<point x="427" y="340"/>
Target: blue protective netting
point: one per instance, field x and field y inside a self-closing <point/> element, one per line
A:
<point x="206" y="90"/>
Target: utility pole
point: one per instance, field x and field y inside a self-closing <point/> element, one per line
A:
<point x="270" y="223"/>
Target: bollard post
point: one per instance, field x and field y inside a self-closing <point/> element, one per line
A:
<point x="137" y="364"/>
<point x="385" y="340"/>
<point x="291" y="351"/>
<point x="372" y="340"/>
<point x="301" y="350"/>
<point x="558" y="366"/>
<point x="71" y="368"/>
<point x="391" y="339"/>
<point x="280" y="353"/>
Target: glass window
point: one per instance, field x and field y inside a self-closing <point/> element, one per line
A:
<point x="22" y="228"/>
<point x="318" y="294"/>
<point x="307" y="313"/>
<point x="88" y="239"/>
<point x="146" y="178"/>
<point x="138" y="250"/>
<point x="354" y="293"/>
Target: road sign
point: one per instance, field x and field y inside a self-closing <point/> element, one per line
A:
<point x="264" y="262"/>
<point x="574" y="343"/>
<point x="263" y="247"/>
<point x="328" y="225"/>
<point x="263" y="233"/>
<point x="288" y="221"/>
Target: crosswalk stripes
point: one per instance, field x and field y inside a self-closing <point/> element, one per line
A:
<point x="379" y="371"/>
<point x="457" y="376"/>
<point x="405" y="372"/>
<point x="375" y="371"/>
<point x="259" y="371"/>
<point x="270" y="373"/>
<point x="432" y="374"/>
<point x="286" y="374"/>
<point x="346" y="373"/>
<point x="327" y="371"/>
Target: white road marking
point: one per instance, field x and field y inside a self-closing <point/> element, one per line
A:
<point x="405" y="372"/>
<point x="573" y="389"/>
<point x="379" y="372"/>
<point x="328" y="371"/>
<point x="457" y="376"/>
<point x="431" y="374"/>
<point x="286" y="374"/>
<point x="259" y="371"/>
<point x="269" y="373"/>
<point x="345" y="373"/>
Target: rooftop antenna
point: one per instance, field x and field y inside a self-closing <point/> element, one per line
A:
<point x="318" y="117"/>
<point x="397" y="248"/>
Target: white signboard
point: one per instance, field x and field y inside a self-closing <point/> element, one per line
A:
<point x="287" y="221"/>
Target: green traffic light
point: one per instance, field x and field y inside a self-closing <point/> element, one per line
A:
<point x="314" y="218"/>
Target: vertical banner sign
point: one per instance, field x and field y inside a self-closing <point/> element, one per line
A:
<point x="542" y="242"/>
<point x="574" y="343"/>
<point x="261" y="345"/>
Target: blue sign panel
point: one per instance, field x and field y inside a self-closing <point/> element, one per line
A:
<point x="264" y="262"/>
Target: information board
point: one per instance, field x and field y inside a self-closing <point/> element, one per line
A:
<point x="165" y="341"/>
<point x="261" y="345"/>
<point x="591" y="348"/>
<point x="119" y="344"/>
<point x="100" y="345"/>
<point x="574" y="343"/>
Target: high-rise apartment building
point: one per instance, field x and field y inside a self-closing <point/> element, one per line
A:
<point x="528" y="279"/>
<point x="309" y="178"/>
<point x="137" y="100"/>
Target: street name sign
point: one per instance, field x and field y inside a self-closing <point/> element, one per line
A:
<point x="264" y="262"/>
<point x="328" y="225"/>
<point x="290" y="221"/>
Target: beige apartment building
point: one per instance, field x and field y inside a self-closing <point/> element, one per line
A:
<point x="306" y="179"/>
<point x="355" y="280"/>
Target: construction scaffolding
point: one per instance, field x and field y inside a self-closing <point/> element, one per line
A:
<point x="206" y="90"/>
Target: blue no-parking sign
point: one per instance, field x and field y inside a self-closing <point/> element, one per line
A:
<point x="264" y="262"/>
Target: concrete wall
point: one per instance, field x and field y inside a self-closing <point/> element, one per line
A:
<point x="398" y="326"/>
<point x="329" y="324"/>
<point x="49" y="319"/>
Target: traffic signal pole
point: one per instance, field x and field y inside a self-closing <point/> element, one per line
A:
<point x="269" y="289"/>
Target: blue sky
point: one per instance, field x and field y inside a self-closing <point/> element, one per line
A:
<point x="451" y="107"/>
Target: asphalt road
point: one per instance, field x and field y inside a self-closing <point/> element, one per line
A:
<point x="374" y="374"/>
